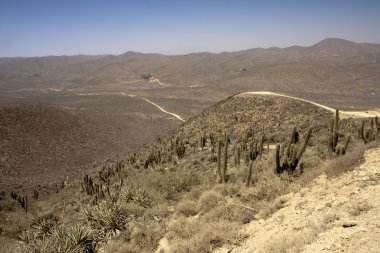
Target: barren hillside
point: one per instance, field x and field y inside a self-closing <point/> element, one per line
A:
<point x="331" y="214"/>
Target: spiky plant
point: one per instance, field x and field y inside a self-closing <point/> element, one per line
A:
<point x="107" y="217"/>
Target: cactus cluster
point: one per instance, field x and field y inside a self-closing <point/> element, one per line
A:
<point x="154" y="157"/>
<point x="335" y="134"/>
<point x="256" y="149"/>
<point x="22" y="200"/>
<point x="107" y="172"/>
<point x="371" y="134"/>
<point x="289" y="154"/>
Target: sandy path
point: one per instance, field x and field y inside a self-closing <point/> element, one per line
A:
<point x="331" y="215"/>
<point x="344" y="114"/>
<point x="159" y="107"/>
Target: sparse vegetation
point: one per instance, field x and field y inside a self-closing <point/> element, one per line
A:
<point x="191" y="190"/>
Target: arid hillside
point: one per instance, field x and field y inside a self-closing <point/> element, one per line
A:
<point x="196" y="188"/>
<point x="41" y="144"/>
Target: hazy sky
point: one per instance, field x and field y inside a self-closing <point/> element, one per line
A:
<point x="54" y="27"/>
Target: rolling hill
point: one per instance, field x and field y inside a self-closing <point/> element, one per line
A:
<point x="332" y="66"/>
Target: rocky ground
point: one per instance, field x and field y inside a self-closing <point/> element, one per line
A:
<point x="331" y="215"/>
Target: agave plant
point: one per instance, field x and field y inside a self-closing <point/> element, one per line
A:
<point x="107" y="217"/>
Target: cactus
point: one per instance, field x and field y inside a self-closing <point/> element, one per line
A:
<point x="23" y="201"/>
<point x="288" y="159"/>
<point x="224" y="171"/>
<point x="203" y="141"/>
<point x="371" y="134"/>
<point x="253" y="152"/>
<point x="219" y="171"/>
<point x="213" y="142"/>
<point x="249" y="174"/>
<point x="334" y="136"/>
<point x="88" y="185"/>
<point x="237" y="155"/>
<point x="180" y="149"/>
<point x="261" y="145"/>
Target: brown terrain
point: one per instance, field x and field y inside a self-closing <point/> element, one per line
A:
<point x="41" y="144"/>
<point x="137" y="135"/>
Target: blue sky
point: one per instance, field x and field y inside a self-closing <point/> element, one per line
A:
<point x="52" y="27"/>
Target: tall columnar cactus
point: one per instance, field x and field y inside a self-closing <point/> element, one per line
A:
<point x="225" y="158"/>
<point x="203" y="140"/>
<point x="219" y="161"/>
<point x="180" y="149"/>
<point x="335" y="134"/>
<point x="249" y="174"/>
<point x="253" y="152"/>
<point x="371" y="134"/>
<point x="237" y="155"/>
<point x="261" y="145"/>
<point x="289" y="155"/>
<point x="88" y="185"/>
<point x="212" y="142"/>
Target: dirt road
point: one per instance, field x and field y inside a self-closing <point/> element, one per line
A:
<point x="344" y="114"/>
<point x="159" y="107"/>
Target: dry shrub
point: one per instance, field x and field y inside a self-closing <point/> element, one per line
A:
<point x="266" y="189"/>
<point x="278" y="204"/>
<point x="187" y="208"/>
<point x="290" y="243"/>
<point x="142" y="239"/>
<point x="358" y="207"/>
<point x="172" y="183"/>
<point x="146" y="238"/>
<point x="208" y="201"/>
<point x="338" y="165"/>
<point x="228" y="190"/>
<point x="319" y="223"/>
<point x="231" y="212"/>
<point x="200" y="236"/>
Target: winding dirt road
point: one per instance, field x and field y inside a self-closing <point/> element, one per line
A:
<point x="159" y="107"/>
<point x="344" y="114"/>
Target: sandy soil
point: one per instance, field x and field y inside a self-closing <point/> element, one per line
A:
<point x="332" y="215"/>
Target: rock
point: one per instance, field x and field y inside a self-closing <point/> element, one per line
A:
<point x="348" y="224"/>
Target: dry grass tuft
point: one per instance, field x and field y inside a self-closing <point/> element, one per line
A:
<point x="359" y="207"/>
<point x="200" y="236"/>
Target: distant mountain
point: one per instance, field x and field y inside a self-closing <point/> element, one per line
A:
<point x="344" y="47"/>
<point x="330" y="66"/>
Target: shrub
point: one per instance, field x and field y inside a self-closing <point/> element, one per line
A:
<point x="199" y="236"/>
<point x="106" y="217"/>
<point x="61" y="240"/>
<point x="208" y="200"/>
<point x="187" y="208"/>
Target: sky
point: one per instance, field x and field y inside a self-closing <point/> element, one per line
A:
<point x="70" y="27"/>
